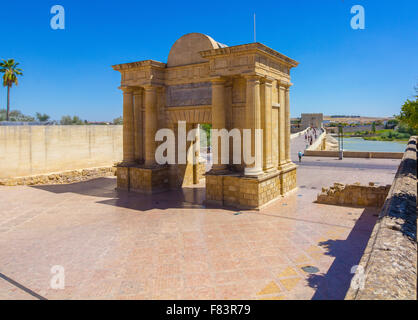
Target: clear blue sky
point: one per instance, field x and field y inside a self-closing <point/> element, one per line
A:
<point x="342" y="71"/>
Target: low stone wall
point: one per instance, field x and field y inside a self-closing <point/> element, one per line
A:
<point x="389" y="262"/>
<point x="354" y="195"/>
<point x="298" y="134"/>
<point x="330" y="143"/>
<point x="318" y="144"/>
<point x="69" y="176"/>
<point x="355" y="154"/>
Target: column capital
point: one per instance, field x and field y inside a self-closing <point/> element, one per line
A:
<point x="253" y="77"/>
<point x="267" y="80"/>
<point x="150" y="87"/>
<point x="218" y="80"/>
<point x="284" y="84"/>
<point x="126" y="89"/>
<point x="137" y="90"/>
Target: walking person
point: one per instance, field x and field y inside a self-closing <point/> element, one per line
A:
<point x="300" y="156"/>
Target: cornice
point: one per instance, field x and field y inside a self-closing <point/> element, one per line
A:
<point x="139" y="65"/>
<point x="249" y="48"/>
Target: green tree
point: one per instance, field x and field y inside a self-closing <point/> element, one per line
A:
<point x="392" y="123"/>
<point x="77" y="120"/>
<point x="67" y="120"/>
<point x="10" y="73"/>
<point x="207" y="127"/>
<point x="15" y="115"/>
<point x="118" y="120"/>
<point x="42" y="117"/>
<point x="374" y="127"/>
<point x="409" y="114"/>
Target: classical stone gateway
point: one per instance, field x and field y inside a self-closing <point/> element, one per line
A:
<point x="204" y="81"/>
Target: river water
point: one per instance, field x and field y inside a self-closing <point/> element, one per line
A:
<point x="359" y="144"/>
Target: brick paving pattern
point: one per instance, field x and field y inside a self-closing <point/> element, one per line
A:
<point x="118" y="245"/>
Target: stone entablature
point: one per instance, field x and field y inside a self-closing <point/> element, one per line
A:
<point x="204" y="81"/>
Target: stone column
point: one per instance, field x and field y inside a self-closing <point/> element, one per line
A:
<point x="196" y="155"/>
<point x="128" y="126"/>
<point x="151" y="124"/>
<point x="287" y="127"/>
<point x="253" y="122"/>
<point x="282" y="124"/>
<point x="218" y="116"/>
<point x="266" y="121"/>
<point x="138" y="125"/>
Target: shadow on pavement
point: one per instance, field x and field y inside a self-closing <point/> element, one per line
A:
<point x="99" y="187"/>
<point x="187" y="197"/>
<point x="21" y="287"/>
<point x="335" y="283"/>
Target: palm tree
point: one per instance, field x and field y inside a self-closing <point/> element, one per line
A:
<point x="10" y="70"/>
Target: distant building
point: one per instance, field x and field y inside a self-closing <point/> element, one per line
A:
<point x="314" y="120"/>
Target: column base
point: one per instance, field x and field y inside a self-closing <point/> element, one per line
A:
<point x="253" y="172"/>
<point x="139" y="179"/>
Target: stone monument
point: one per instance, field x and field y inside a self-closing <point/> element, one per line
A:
<point x="204" y="81"/>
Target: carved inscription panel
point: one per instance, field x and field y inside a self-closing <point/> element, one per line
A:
<point x="191" y="94"/>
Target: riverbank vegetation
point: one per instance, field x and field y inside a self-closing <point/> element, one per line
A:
<point x="399" y="129"/>
<point x="380" y="135"/>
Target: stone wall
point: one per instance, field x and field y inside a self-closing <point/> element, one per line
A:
<point x="354" y="195"/>
<point x="331" y="143"/>
<point x="69" y="176"/>
<point x="34" y="150"/>
<point x="389" y="262"/>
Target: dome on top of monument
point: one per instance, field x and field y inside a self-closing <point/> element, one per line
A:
<point x="186" y="49"/>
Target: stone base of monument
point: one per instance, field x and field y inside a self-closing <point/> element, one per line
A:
<point x="183" y="175"/>
<point x="140" y="179"/>
<point x="288" y="177"/>
<point x="243" y="192"/>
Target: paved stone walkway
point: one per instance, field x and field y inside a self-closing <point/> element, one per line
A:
<point x="116" y="245"/>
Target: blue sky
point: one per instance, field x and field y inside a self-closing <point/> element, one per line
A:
<point x="342" y="71"/>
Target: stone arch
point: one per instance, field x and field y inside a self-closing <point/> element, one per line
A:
<point x="190" y="115"/>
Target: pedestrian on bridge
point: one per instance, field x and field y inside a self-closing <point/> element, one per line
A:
<point x="300" y="154"/>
